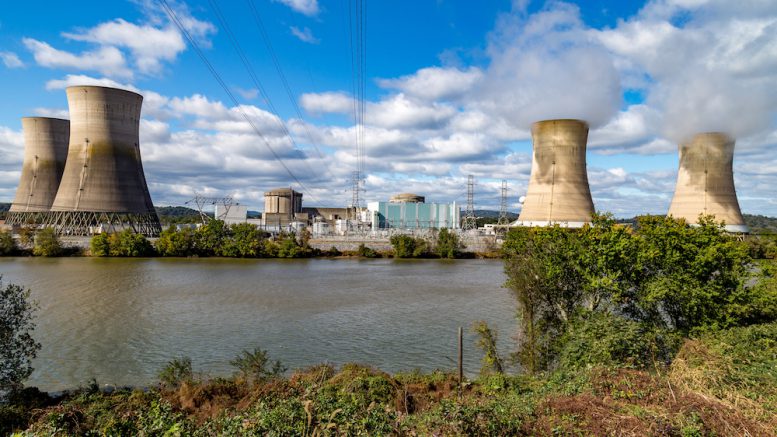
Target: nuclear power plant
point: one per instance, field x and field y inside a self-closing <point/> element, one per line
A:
<point x="45" y="151"/>
<point x="86" y="176"/>
<point x="558" y="191"/>
<point x="705" y="182"/>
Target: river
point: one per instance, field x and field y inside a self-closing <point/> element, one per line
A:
<point x="120" y="320"/>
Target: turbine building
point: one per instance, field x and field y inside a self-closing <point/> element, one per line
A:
<point x="45" y="151"/>
<point x="705" y="182"/>
<point x="558" y="191"/>
<point x="103" y="186"/>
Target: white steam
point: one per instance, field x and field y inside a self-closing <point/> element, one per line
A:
<point x="547" y="66"/>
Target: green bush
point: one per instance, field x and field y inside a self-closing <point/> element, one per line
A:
<point x="177" y="372"/>
<point x="448" y="244"/>
<point x="100" y="245"/>
<point x="209" y="238"/>
<point x="17" y="347"/>
<point x="256" y="366"/>
<point x="407" y="246"/>
<point x="243" y="241"/>
<point x="173" y="242"/>
<point x="7" y="243"/>
<point x="46" y="243"/>
<point x="366" y="252"/>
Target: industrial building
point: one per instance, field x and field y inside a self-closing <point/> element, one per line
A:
<point x="282" y="207"/>
<point x="558" y="191"/>
<point x="103" y="187"/>
<point x="408" y="211"/>
<point x="705" y="182"/>
<point x="231" y="214"/>
<point x="45" y="152"/>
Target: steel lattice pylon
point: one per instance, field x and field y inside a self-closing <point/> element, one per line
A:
<point x="470" y="221"/>
<point x="503" y="220"/>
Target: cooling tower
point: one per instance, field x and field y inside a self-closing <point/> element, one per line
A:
<point x="558" y="190"/>
<point x="103" y="184"/>
<point x="705" y="181"/>
<point x="45" y="150"/>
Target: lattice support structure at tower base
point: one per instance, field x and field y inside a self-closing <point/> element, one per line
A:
<point x="85" y="223"/>
<point x="24" y="218"/>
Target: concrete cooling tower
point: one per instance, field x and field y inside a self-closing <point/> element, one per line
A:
<point x="558" y="191"/>
<point x="45" y="150"/>
<point x="705" y="182"/>
<point x="103" y="187"/>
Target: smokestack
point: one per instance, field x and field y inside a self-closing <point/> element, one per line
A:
<point x="45" y="150"/>
<point x="103" y="181"/>
<point x="558" y="191"/>
<point x="705" y="181"/>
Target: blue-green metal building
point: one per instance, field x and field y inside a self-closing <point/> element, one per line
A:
<point x="413" y="215"/>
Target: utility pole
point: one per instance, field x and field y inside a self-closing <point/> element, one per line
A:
<point x="503" y="220"/>
<point x="470" y="221"/>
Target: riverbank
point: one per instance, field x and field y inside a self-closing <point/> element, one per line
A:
<point x="718" y="384"/>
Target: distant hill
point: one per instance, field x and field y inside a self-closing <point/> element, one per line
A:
<point x="4" y="207"/>
<point x="487" y="213"/>
<point x="761" y="224"/>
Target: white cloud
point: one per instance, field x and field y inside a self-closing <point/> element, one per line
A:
<point x="52" y="112"/>
<point x="80" y="79"/>
<point x="435" y="83"/>
<point x="329" y="102"/>
<point x="106" y="60"/>
<point x="11" y="60"/>
<point x="304" y="34"/>
<point x="149" y="46"/>
<point x="306" y="7"/>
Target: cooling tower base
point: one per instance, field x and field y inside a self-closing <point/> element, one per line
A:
<point x="545" y="224"/>
<point x="15" y="218"/>
<point x="86" y="223"/>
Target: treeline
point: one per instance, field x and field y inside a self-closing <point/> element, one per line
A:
<point x="614" y="294"/>
<point x="444" y="244"/>
<point x="213" y="239"/>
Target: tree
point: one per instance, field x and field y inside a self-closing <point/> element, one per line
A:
<point x="403" y="245"/>
<point x="174" y="242"/>
<point x="244" y="241"/>
<point x="256" y="366"/>
<point x="210" y="237"/>
<point x="46" y="243"/>
<point x="7" y="243"/>
<point x="17" y="347"/>
<point x="130" y="244"/>
<point x="448" y="244"/>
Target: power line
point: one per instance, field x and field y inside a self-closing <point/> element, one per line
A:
<point x="279" y="69"/>
<point x="226" y="89"/>
<point x="250" y="69"/>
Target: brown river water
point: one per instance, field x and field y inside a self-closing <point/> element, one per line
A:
<point x="120" y="320"/>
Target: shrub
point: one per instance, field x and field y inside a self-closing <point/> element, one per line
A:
<point x="244" y="241"/>
<point x="177" y="372"/>
<point x="366" y="252"/>
<point x="128" y="243"/>
<point x="100" y="245"/>
<point x="46" y="243"/>
<point x="492" y="362"/>
<point x="209" y="238"/>
<point x="173" y="242"/>
<point x="255" y="365"/>
<point x="7" y="243"/>
<point x="448" y="244"/>
<point x="17" y="347"/>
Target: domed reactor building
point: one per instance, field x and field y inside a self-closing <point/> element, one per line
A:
<point x="558" y="191"/>
<point x="705" y="182"/>
<point x="103" y="187"/>
<point x="45" y="151"/>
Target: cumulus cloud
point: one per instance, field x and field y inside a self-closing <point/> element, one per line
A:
<point x="329" y="102"/>
<point x="545" y="66"/>
<point x="106" y="60"/>
<point x="435" y="83"/>
<point x="11" y="60"/>
<point x="712" y="64"/>
<point x="304" y="35"/>
<point x="305" y="7"/>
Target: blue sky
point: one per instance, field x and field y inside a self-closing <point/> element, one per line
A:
<point x="452" y="88"/>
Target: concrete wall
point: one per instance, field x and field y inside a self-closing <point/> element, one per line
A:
<point x="104" y="171"/>
<point x="45" y="151"/>
<point x="705" y="181"/>
<point x="558" y="189"/>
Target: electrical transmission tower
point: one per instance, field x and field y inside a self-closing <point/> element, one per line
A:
<point x="470" y="221"/>
<point x="355" y="188"/>
<point x="503" y="220"/>
<point x="200" y="201"/>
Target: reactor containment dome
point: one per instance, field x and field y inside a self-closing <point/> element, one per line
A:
<point x="103" y="186"/>
<point x="45" y="151"/>
<point x="558" y="191"/>
<point x="705" y="182"/>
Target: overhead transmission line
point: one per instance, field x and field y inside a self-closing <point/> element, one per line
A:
<point x="254" y="78"/>
<point x="279" y="69"/>
<point x="357" y="32"/>
<point x="211" y="68"/>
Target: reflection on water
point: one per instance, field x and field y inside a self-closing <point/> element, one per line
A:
<point x="121" y="320"/>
